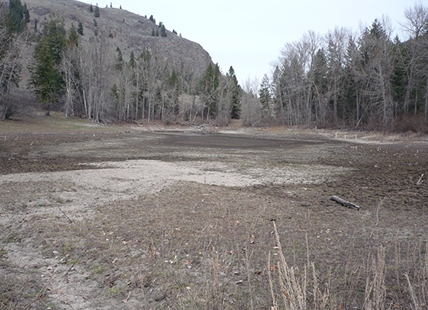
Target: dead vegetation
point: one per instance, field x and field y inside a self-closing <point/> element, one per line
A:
<point x="194" y="245"/>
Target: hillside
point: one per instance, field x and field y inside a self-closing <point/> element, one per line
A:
<point x="169" y="78"/>
<point x="126" y="30"/>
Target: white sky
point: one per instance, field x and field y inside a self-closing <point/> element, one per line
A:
<point x="249" y="35"/>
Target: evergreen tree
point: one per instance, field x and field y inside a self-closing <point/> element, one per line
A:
<point x="173" y="92"/>
<point x="91" y="9"/>
<point x="80" y="28"/>
<point x="377" y="69"/>
<point x="265" y="97"/>
<point x="320" y="85"/>
<point x="115" y="96"/>
<point x="18" y="15"/>
<point x="132" y="61"/>
<point x="162" y="30"/>
<point x="26" y="13"/>
<point x="152" y="19"/>
<point x="399" y="77"/>
<point x="235" y="93"/>
<point x="352" y="85"/>
<point x="73" y="37"/>
<point x="46" y="79"/>
<point x="119" y="59"/>
<point x="97" y="11"/>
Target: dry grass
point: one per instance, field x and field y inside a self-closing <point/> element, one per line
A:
<point x="185" y="248"/>
<point x="299" y="292"/>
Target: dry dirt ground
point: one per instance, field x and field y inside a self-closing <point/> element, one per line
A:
<point x="143" y="217"/>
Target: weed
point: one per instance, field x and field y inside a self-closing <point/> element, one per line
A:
<point x="96" y="269"/>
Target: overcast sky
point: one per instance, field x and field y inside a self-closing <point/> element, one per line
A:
<point x="249" y="35"/>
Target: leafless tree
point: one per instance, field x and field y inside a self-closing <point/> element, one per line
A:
<point x="376" y="71"/>
<point x="96" y="64"/>
<point x="251" y="113"/>
<point x="416" y="25"/>
<point x="11" y="46"/>
<point x="293" y="81"/>
<point x="122" y="93"/>
<point x="336" y="41"/>
<point x="69" y="67"/>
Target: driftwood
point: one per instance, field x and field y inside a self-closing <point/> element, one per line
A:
<point x="345" y="203"/>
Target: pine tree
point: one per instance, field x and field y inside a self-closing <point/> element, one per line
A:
<point x="119" y="59"/>
<point x="73" y="37"/>
<point x="236" y="93"/>
<point x="399" y="78"/>
<point x="26" y="13"/>
<point x="80" y="28"/>
<point x="319" y="73"/>
<point x="97" y="11"/>
<point x="173" y="91"/>
<point x="132" y="61"/>
<point x="162" y="30"/>
<point x="18" y="15"/>
<point x="46" y="79"/>
<point x="265" y="97"/>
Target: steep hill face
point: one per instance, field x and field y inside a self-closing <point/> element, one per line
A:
<point x="126" y="30"/>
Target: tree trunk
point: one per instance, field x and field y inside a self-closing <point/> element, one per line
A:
<point x="426" y="102"/>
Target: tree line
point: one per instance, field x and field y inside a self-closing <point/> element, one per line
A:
<point x="91" y="78"/>
<point x="344" y="78"/>
<point x="365" y="79"/>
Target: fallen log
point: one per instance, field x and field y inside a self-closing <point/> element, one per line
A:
<point x="345" y="203"/>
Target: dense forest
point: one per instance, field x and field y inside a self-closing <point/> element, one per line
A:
<point x="365" y="79"/>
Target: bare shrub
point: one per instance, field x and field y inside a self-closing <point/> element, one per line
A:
<point x="411" y="123"/>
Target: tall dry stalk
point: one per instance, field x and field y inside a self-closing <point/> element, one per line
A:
<point x="415" y="301"/>
<point x="420" y="297"/>
<point x="296" y="292"/>
<point x="425" y="276"/>
<point x="375" y="293"/>
<point x="292" y="288"/>
<point x="215" y="270"/>
<point x="250" y="288"/>
<point x="275" y="304"/>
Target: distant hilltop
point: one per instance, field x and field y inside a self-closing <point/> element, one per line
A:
<point x="125" y="30"/>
